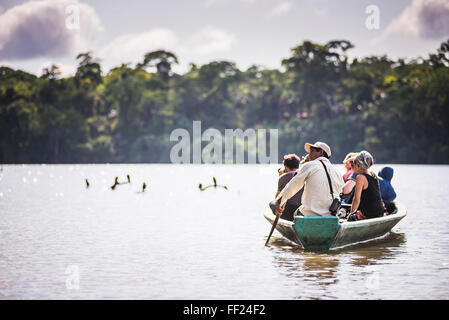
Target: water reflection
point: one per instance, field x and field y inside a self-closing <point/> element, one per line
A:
<point x="375" y="252"/>
<point x="324" y="269"/>
<point x="296" y="263"/>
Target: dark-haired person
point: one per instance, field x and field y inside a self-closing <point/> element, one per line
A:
<point x="367" y="202"/>
<point x="291" y="164"/>
<point x="316" y="198"/>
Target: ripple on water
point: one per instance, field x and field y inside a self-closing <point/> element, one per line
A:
<point x="176" y="242"/>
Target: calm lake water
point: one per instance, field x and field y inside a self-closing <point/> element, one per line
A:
<point x="59" y="240"/>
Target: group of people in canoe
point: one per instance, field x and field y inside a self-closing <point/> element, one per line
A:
<point x="309" y="186"/>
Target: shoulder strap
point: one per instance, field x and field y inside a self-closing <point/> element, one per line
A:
<point x="328" y="178"/>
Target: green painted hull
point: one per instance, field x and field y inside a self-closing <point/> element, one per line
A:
<point x="323" y="233"/>
<point x="316" y="232"/>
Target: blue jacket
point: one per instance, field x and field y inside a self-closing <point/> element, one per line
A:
<point x="386" y="189"/>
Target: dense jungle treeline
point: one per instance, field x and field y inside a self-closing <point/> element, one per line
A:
<point x="397" y="110"/>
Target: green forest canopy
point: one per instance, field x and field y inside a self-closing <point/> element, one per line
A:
<point x="397" y="110"/>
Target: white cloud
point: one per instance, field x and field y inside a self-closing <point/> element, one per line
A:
<point x="35" y="66"/>
<point x="132" y="47"/>
<point x="208" y="41"/>
<point x="281" y="9"/>
<point x="205" y="43"/>
<point x="66" y="70"/>
<point x="427" y="19"/>
<point x="45" y="28"/>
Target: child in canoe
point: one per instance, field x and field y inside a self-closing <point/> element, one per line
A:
<point x="386" y="189"/>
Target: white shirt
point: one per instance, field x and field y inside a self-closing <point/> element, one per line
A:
<point x="316" y="198"/>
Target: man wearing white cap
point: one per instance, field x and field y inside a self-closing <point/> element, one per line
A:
<point x="316" y="198"/>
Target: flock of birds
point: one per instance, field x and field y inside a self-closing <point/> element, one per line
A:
<point x="144" y="185"/>
<point x="117" y="183"/>
<point x="215" y="185"/>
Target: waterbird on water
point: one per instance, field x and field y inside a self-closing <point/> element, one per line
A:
<point x="144" y="186"/>
<point x="116" y="183"/>
<point x="87" y="183"/>
<point x="215" y="185"/>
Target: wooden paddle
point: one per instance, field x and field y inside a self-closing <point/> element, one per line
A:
<point x="272" y="229"/>
<point x="273" y="208"/>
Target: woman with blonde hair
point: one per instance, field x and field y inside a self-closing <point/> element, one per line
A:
<point x="367" y="202"/>
<point x="349" y="177"/>
<point x="347" y="162"/>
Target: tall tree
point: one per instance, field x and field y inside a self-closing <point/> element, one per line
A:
<point x="162" y="60"/>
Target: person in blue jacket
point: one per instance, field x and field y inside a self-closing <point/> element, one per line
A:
<point x="386" y="189"/>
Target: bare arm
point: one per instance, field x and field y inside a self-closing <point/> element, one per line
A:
<point x="359" y="186"/>
<point x="347" y="188"/>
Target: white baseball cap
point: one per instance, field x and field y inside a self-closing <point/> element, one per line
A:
<point x="319" y="145"/>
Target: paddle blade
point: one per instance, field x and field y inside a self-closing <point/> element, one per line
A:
<point x="272" y="229"/>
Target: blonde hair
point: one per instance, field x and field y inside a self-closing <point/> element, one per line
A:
<point x="349" y="157"/>
<point x="364" y="160"/>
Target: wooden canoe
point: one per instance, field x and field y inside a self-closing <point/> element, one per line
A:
<point x="325" y="233"/>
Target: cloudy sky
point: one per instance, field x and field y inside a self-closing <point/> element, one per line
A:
<point x="35" y="34"/>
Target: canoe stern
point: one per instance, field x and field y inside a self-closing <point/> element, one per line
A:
<point x="316" y="232"/>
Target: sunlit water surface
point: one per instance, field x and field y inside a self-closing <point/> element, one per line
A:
<point x="60" y="240"/>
